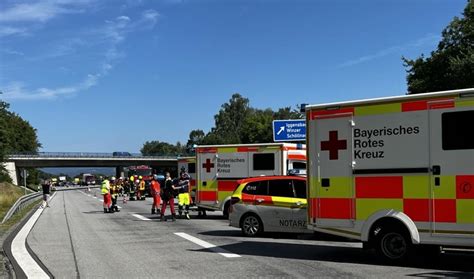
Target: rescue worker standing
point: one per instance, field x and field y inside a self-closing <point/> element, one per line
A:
<point x="155" y="193"/>
<point x="114" y="190"/>
<point x="141" y="188"/>
<point x="105" y="190"/>
<point x="168" y="198"/>
<point x="183" y="196"/>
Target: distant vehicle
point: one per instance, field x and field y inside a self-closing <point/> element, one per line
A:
<point x="145" y="172"/>
<point x="88" y="179"/>
<point x="271" y="204"/>
<point x="121" y="154"/>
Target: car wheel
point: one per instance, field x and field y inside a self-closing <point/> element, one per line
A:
<point x="251" y="225"/>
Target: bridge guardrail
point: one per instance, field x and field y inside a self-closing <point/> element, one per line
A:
<point x="20" y="204"/>
<point x="86" y="155"/>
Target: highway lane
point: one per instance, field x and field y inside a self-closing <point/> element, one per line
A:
<point x="74" y="238"/>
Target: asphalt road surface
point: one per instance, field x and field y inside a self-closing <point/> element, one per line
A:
<point x="75" y="239"/>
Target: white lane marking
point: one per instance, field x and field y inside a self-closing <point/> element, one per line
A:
<point x="21" y="255"/>
<point x="207" y="245"/>
<point x="141" y="217"/>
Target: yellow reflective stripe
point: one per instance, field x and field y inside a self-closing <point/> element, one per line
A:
<point x="211" y="185"/>
<point x="341" y="187"/>
<point x="283" y="201"/>
<point x="367" y="207"/>
<point x="465" y="211"/>
<point x="416" y="187"/>
<point x="446" y="189"/>
<point x="222" y="195"/>
<point x="227" y="149"/>
<point x="464" y="103"/>
<point x="378" y="109"/>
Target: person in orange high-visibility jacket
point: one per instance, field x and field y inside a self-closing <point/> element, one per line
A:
<point x="155" y="193"/>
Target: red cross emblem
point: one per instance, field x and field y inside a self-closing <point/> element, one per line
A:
<point x="333" y="145"/>
<point x="208" y="165"/>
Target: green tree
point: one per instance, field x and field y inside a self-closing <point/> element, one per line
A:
<point x="158" y="148"/>
<point x="16" y="136"/>
<point x="257" y="127"/>
<point x="230" y="118"/>
<point x="451" y="65"/>
<point x="196" y="137"/>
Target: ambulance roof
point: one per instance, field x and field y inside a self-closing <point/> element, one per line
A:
<point x="252" y="144"/>
<point x="391" y="99"/>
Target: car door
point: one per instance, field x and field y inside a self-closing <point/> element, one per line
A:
<point x="300" y="205"/>
<point x="279" y="215"/>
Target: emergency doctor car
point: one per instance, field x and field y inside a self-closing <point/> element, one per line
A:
<point x="396" y="173"/>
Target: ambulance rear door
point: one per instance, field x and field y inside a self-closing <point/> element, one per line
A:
<point x="331" y="169"/>
<point x="452" y="169"/>
<point x="206" y="162"/>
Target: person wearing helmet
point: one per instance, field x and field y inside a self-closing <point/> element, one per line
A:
<point x="155" y="193"/>
<point x="105" y="190"/>
<point x="114" y="191"/>
<point x="141" y="188"/>
<point x="183" y="196"/>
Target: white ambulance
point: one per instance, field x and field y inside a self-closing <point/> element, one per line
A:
<point x="395" y="173"/>
<point x="219" y="167"/>
<point x="189" y="164"/>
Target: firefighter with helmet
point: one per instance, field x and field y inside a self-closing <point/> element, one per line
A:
<point x="114" y="191"/>
<point x="141" y="188"/>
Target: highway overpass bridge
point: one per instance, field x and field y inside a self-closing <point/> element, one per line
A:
<point x="16" y="162"/>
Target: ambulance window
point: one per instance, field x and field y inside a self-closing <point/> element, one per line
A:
<point x="281" y="188"/>
<point x="191" y="168"/>
<point x="256" y="188"/>
<point x="458" y="130"/>
<point x="264" y="161"/>
<point x="299" y="165"/>
<point x="300" y="188"/>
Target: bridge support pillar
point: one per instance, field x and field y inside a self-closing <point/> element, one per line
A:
<point x="119" y="172"/>
<point x="12" y="172"/>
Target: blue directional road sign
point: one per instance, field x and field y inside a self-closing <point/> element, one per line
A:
<point x="289" y="130"/>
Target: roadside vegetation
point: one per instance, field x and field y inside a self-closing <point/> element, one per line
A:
<point x="9" y="195"/>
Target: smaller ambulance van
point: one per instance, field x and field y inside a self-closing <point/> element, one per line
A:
<point x="395" y="173"/>
<point x="219" y="167"/>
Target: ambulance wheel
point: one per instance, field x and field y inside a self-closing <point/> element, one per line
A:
<point x="251" y="225"/>
<point x="392" y="243"/>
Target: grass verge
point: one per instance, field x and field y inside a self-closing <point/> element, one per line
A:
<point x="8" y="196"/>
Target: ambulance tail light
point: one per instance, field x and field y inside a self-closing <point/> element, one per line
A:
<point x="234" y="200"/>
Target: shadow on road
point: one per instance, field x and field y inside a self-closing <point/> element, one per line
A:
<point x="94" y="212"/>
<point x="306" y="236"/>
<point x="462" y="264"/>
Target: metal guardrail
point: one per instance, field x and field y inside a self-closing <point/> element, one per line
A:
<point x="86" y="155"/>
<point x="20" y="204"/>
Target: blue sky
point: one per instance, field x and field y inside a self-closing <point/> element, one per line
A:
<point x="104" y="76"/>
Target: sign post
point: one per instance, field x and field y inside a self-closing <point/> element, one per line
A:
<point x="289" y="130"/>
